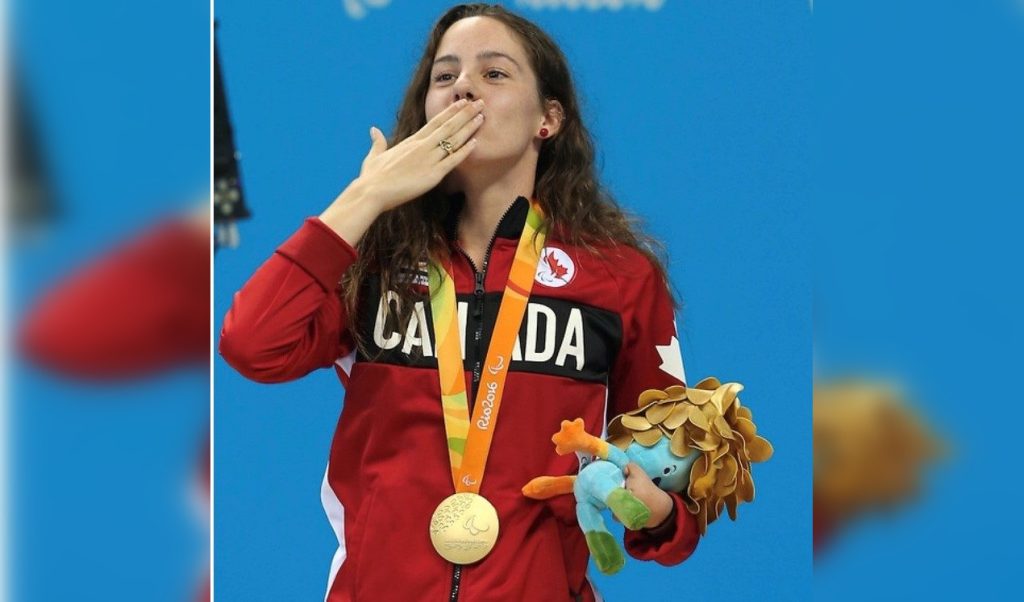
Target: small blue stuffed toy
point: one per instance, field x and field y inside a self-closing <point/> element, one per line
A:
<point x="698" y="441"/>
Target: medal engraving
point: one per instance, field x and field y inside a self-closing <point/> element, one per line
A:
<point x="464" y="528"/>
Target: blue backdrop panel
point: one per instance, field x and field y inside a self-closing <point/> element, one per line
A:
<point x="103" y="476"/>
<point x="917" y="263"/>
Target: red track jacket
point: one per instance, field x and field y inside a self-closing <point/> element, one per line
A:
<point x="598" y="330"/>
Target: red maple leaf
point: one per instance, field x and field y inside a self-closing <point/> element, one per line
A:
<point x="557" y="269"/>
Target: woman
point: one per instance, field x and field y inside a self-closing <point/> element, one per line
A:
<point x="490" y="166"/>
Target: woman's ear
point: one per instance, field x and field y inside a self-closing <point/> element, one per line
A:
<point x="554" y="117"/>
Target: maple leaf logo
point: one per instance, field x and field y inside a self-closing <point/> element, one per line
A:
<point x="555" y="268"/>
<point x="558" y="270"/>
<point x="671" y="356"/>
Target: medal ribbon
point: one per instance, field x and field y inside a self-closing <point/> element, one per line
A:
<point x="470" y="442"/>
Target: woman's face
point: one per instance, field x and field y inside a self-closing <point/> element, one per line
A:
<point x="479" y="57"/>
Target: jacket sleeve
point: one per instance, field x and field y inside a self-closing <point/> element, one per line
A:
<point x="669" y="543"/>
<point x="288" y="319"/>
<point x="138" y="309"/>
<point x="649" y="358"/>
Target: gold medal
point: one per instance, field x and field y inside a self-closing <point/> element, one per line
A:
<point x="464" y="528"/>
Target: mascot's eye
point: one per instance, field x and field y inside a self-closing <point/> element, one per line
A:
<point x="668" y="470"/>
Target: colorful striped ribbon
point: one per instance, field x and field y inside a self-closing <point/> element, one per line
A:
<point x="468" y="447"/>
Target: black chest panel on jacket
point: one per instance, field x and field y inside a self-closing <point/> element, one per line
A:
<point x="557" y="336"/>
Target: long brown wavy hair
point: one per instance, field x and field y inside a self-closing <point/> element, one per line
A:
<point x="575" y="205"/>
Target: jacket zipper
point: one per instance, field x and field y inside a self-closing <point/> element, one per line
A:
<point x="456" y="582"/>
<point x="478" y="315"/>
<point x="478" y="303"/>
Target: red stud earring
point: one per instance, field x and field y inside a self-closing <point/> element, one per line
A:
<point x="543" y="132"/>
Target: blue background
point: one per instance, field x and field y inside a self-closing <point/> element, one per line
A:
<point x="102" y="476"/>
<point x="917" y="275"/>
<point x="701" y="114"/>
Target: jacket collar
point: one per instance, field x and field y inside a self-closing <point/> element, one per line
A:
<point x="510" y="225"/>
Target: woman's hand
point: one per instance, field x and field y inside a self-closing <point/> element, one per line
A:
<point x="641" y="485"/>
<point x="397" y="175"/>
<point x="393" y="176"/>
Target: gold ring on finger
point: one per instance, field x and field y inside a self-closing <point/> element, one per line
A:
<point x="447" y="146"/>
